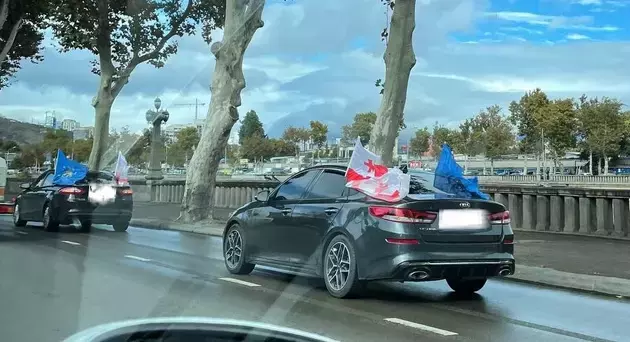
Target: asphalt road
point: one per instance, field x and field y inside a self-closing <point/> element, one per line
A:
<point x="54" y="284"/>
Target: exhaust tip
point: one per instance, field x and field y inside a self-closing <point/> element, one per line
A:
<point x="505" y="271"/>
<point x="418" y="275"/>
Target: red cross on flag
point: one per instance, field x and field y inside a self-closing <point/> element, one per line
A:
<point x="366" y="173"/>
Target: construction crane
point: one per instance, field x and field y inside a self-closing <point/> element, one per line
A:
<point x="196" y="104"/>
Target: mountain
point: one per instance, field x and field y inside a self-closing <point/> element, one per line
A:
<point x="21" y="132"/>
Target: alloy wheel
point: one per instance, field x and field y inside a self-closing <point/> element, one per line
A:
<point x="338" y="266"/>
<point x="234" y="249"/>
<point x="16" y="213"/>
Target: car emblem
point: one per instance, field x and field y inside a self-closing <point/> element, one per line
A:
<point x="464" y="205"/>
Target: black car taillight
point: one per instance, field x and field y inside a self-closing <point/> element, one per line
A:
<point x="499" y="218"/>
<point x="403" y="215"/>
<point x="126" y="192"/>
<point x="71" y="191"/>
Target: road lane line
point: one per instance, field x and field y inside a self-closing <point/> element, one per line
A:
<point x="238" y="281"/>
<point x="21" y="232"/>
<point x="421" y="326"/>
<point x="137" y="258"/>
<point x="71" y="242"/>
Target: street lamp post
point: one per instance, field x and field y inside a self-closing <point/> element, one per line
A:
<point x="156" y="118"/>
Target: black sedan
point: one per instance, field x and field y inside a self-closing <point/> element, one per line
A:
<point x="95" y="199"/>
<point x="311" y="224"/>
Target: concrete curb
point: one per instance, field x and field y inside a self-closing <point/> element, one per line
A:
<point x="603" y="237"/>
<point x="609" y="286"/>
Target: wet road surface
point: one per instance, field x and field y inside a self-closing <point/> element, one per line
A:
<point x="54" y="284"/>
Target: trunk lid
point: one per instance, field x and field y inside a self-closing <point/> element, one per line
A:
<point x="456" y="220"/>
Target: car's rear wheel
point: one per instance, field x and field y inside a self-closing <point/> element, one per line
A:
<point x="50" y="224"/>
<point x="466" y="286"/>
<point x="121" y="226"/>
<point x="234" y="251"/>
<point x="340" y="269"/>
<point x="86" y="226"/>
<point x="17" y="216"/>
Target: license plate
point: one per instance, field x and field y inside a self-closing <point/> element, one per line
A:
<point x="101" y="194"/>
<point x="462" y="219"/>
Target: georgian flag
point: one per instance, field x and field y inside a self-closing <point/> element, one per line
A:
<point x="121" y="171"/>
<point x="366" y="174"/>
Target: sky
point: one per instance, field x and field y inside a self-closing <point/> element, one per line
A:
<point x="319" y="59"/>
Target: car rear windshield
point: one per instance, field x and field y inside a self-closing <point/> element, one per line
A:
<point x="98" y="177"/>
<point x="422" y="183"/>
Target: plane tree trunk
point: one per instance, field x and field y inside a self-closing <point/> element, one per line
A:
<point x="399" y="60"/>
<point x="242" y="19"/>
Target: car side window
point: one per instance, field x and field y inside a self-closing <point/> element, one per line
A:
<point x="330" y="184"/>
<point x="39" y="182"/>
<point x="294" y="188"/>
<point x="48" y="180"/>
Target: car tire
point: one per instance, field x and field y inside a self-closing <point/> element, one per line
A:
<point x="121" y="226"/>
<point x="466" y="286"/>
<point x="234" y="241"/>
<point x="345" y="258"/>
<point x="49" y="221"/>
<point x="86" y="226"/>
<point x="17" y="218"/>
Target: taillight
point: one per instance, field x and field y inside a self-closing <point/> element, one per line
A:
<point x="71" y="191"/>
<point x="403" y="215"/>
<point x="500" y="218"/>
<point x="508" y="240"/>
<point x="397" y="241"/>
<point x="126" y="192"/>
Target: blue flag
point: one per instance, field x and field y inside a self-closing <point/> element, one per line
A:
<point x="67" y="171"/>
<point x="449" y="177"/>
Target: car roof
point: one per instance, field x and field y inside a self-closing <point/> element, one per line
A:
<point x="327" y="166"/>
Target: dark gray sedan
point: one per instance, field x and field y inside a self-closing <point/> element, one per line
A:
<point x="311" y="224"/>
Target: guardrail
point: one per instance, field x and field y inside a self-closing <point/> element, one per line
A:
<point x="621" y="180"/>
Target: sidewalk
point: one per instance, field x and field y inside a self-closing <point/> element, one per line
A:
<point x="575" y="262"/>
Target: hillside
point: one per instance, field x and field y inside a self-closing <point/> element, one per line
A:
<point x="20" y="132"/>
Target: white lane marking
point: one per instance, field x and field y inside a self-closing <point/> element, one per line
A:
<point x="238" y="281"/>
<point x="71" y="242"/>
<point x="21" y="232"/>
<point x="137" y="258"/>
<point x="421" y="326"/>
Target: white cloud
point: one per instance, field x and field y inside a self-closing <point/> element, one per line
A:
<point x="577" y="36"/>
<point x="551" y="21"/>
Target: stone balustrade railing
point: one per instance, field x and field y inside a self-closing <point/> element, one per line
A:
<point x="604" y="212"/>
<point x="617" y="180"/>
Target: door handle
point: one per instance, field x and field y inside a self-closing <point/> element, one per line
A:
<point x="286" y="211"/>
<point x="331" y="211"/>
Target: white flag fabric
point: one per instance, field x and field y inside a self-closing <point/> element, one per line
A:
<point x="366" y="173"/>
<point x="122" y="170"/>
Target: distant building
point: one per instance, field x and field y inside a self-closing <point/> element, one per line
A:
<point x="170" y="131"/>
<point x="82" y="133"/>
<point x="69" y="125"/>
<point x="51" y="120"/>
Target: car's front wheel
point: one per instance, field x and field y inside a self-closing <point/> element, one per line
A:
<point x="86" y="226"/>
<point x="340" y="269"/>
<point x="234" y="251"/>
<point x="466" y="286"/>
<point x="17" y="216"/>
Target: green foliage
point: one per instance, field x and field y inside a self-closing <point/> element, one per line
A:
<point x="29" y="16"/>
<point x="251" y="126"/>
<point x="494" y="131"/>
<point x="420" y="142"/>
<point x="125" y="33"/>
<point x="361" y="126"/>
<point x="603" y="126"/>
<point x="442" y="135"/>
<point x="181" y="150"/>
<point x="139" y="152"/>
<point x="319" y="133"/>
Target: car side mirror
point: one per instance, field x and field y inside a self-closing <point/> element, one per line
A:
<point x="25" y="186"/>
<point x="262" y="196"/>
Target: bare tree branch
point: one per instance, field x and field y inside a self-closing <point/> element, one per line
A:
<point x="4" y="13"/>
<point x="10" y="40"/>
<point x="103" y="39"/>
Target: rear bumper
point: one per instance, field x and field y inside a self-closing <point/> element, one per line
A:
<point x="436" y="270"/>
<point x="118" y="211"/>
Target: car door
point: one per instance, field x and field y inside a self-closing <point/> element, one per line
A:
<point x="314" y="215"/>
<point x="273" y="236"/>
<point x="28" y="199"/>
